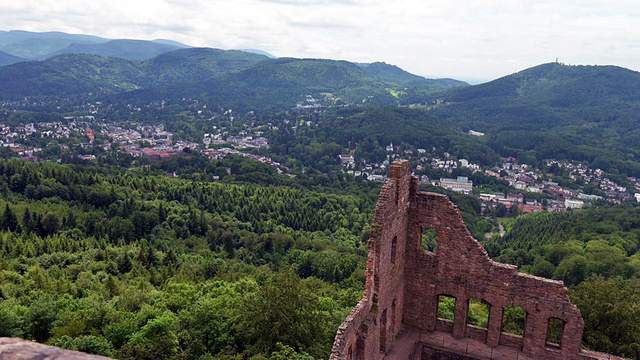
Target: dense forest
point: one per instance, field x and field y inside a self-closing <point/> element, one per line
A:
<point x="595" y="253"/>
<point x="141" y="266"/>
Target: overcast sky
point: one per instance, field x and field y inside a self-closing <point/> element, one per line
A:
<point x="472" y="40"/>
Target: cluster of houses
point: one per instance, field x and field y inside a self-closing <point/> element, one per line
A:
<point x="73" y="130"/>
<point x="578" y="171"/>
<point x="522" y="178"/>
<point x="14" y="138"/>
<point x="153" y="135"/>
<point x="370" y="172"/>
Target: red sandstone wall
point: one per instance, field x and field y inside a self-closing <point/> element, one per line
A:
<point x="370" y="329"/>
<point x="462" y="269"/>
<point x="403" y="282"/>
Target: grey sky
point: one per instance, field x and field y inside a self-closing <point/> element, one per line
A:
<point x="470" y="40"/>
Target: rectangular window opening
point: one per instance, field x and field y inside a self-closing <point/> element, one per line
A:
<point x="478" y="314"/>
<point x="514" y="319"/>
<point x="555" y="330"/>
<point x="446" y="307"/>
<point x="429" y="241"/>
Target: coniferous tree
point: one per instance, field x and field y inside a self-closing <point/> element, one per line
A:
<point x="9" y="219"/>
<point x="26" y="220"/>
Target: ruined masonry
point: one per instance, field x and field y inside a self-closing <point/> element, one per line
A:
<point x="397" y="317"/>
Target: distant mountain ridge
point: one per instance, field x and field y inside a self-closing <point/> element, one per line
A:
<point x="38" y="45"/>
<point x="44" y="45"/>
<point x="259" y="52"/>
<point x="229" y="76"/>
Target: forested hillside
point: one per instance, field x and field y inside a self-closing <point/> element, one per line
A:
<point x="135" y="264"/>
<point x="72" y="75"/>
<point x="593" y="251"/>
<point x="231" y="78"/>
<point x="410" y="128"/>
<point x="582" y="113"/>
<point x="140" y="266"/>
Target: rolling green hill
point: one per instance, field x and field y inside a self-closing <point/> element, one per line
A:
<point x="197" y="64"/>
<point x="279" y="84"/>
<point x="396" y="75"/>
<point x="68" y="75"/>
<point x="231" y="77"/>
<point x="584" y="113"/>
<point x="73" y="74"/>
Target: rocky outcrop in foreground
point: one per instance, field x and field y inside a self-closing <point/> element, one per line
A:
<point x="18" y="349"/>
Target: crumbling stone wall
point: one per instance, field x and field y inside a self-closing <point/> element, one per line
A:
<point x="404" y="282"/>
<point x="371" y="327"/>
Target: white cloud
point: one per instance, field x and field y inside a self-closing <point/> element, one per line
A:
<point x="477" y="39"/>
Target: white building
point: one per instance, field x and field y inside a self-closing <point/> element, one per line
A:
<point x="573" y="204"/>
<point x="462" y="183"/>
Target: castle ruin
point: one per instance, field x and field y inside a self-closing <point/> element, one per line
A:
<point x="397" y="317"/>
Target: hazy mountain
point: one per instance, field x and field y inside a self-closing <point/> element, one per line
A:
<point x="43" y="45"/>
<point x="35" y="45"/>
<point x="125" y="49"/>
<point x="8" y="59"/>
<point x="396" y="75"/>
